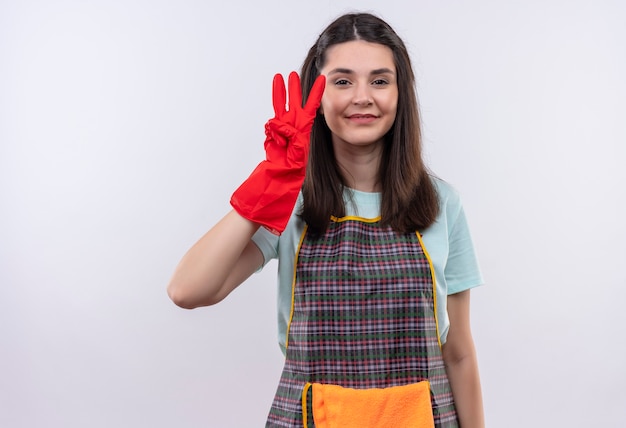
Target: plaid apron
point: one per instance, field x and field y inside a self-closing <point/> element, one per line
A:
<point x="363" y="316"/>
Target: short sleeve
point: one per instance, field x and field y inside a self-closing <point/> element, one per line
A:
<point x="267" y="243"/>
<point x="462" y="270"/>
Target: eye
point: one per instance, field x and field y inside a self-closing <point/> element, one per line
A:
<point x="380" y="82"/>
<point x="342" y="82"/>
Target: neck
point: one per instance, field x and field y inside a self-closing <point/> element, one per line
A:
<point x="360" y="165"/>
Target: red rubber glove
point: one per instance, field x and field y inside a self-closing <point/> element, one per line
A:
<point x="268" y="196"/>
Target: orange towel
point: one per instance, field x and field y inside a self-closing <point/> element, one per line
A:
<point x="405" y="406"/>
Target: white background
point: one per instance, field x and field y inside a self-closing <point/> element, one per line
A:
<point x="126" y="125"/>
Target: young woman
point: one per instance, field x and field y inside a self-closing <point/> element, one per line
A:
<point x="375" y="256"/>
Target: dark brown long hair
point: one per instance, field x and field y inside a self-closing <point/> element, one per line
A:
<point x="409" y="198"/>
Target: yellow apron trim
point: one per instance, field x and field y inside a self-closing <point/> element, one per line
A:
<point x="305" y="391"/>
<point x="432" y="274"/>
<point x="356" y="218"/>
<point x="293" y="285"/>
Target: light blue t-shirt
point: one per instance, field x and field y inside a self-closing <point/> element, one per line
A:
<point x="447" y="241"/>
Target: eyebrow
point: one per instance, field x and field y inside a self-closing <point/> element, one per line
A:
<point x="340" y="70"/>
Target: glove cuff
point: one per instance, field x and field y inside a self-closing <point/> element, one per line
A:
<point x="268" y="196"/>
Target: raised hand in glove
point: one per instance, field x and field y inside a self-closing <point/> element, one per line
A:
<point x="268" y="196"/>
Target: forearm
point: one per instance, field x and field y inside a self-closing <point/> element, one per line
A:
<point x="459" y="355"/>
<point x="465" y="383"/>
<point x="216" y="264"/>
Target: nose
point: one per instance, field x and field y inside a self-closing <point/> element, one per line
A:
<point x="362" y="95"/>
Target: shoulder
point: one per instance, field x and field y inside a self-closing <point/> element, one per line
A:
<point x="450" y="204"/>
<point x="446" y="192"/>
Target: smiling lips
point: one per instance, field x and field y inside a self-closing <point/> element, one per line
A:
<point x="362" y="118"/>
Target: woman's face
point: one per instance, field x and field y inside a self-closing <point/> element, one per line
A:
<point x="361" y="95"/>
